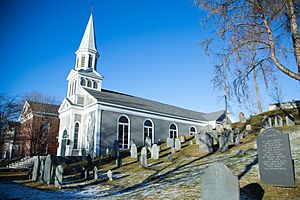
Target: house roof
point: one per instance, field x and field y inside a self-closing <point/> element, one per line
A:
<point x="111" y="97"/>
<point x="44" y="108"/>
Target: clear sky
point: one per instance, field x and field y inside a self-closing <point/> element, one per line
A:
<point x="148" y="49"/>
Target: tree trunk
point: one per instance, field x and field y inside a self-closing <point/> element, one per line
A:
<point x="257" y="91"/>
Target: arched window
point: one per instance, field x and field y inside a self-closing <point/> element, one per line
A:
<point x="89" y="83"/>
<point x="90" y="61"/>
<point x="82" y="60"/>
<point x="82" y="82"/>
<point x="193" y="130"/>
<point x="148" y="130"/>
<point x="45" y="128"/>
<point x="123" y="132"/>
<point x="95" y="85"/>
<point x="173" y="131"/>
<point x="63" y="143"/>
<point x="76" y="130"/>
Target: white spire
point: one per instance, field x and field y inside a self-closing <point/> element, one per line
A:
<point x="88" y="42"/>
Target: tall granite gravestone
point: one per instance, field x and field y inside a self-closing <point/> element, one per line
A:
<point x="275" y="159"/>
<point x="48" y="169"/>
<point x="278" y="121"/>
<point x="205" y="143"/>
<point x="154" y="152"/>
<point x="218" y="182"/>
<point x="109" y="175"/>
<point x="177" y="144"/>
<point x="170" y="142"/>
<point x="133" y="151"/>
<point x="230" y="135"/>
<point x="143" y="158"/>
<point x="148" y="143"/>
<point x="36" y="168"/>
<point x="289" y="120"/>
<point x="116" y="149"/>
<point x="59" y="176"/>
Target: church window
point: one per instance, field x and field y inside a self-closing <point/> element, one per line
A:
<point x="123" y="132"/>
<point x="192" y="130"/>
<point x="76" y="130"/>
<point x="89" y="83"/>
<point x="173" y="131"/>
<point x="90" y="61"/>
<point x="95" y="63"/>
<point x="45" y="128"/>
<point x="95" y="85"/>
<point x="63" y="143"/>
<point x="148" y="130"/>
<point x="82" y="60"/>
<point x="82" y="82"/>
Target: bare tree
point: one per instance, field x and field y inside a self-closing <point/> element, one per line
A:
<point x="271" y="26"/>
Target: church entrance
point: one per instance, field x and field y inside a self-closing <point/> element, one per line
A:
<point x="123" y="133"/>
<point x="63" y="143"/>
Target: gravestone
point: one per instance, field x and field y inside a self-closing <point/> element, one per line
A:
<point x="148" y="143"/>
<point x="275" y="159"/>
<point x="170" y="142"/>
<point x="197" y="137"/>
<point x="116" y="149"/>
<point x="214" y="135"/>
<point x="36" y="168"/>
<point x="110" y="175"/>
<point x="170" y="158"/>
<point x="155" y="152"/>
<point x="118" y="162"/>
<point x="289" y="120"/>
<point x="173" y="151"/>
<point x="95" y="173"/>
<point x="133" y="151"/>
<point x="219" y="128"/>
<point x="182" y="139"/>
<point x="248" y="127"/>
<point x="191" y="142"/>
<point x="107" y="151"/>
<point x="218" y="182"/>
<point x="229" y="135"/>
<point x="205" y="143"/>
<point x="143" y="157"/>
<point x="278" y="121"/>
<point x="58" y="181"/>
<point x="177" y="144"/>
<point x="223" y="143"/>
<point x="266" y="122"/>
<point x="48" y="169"/>
<point x="42" y="168"/>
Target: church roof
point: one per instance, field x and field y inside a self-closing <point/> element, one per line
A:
<point x="43" y="108"/>
<point x="215" y="115"/>
<point x="116" y="98"/>
<point x="88" y="41"/>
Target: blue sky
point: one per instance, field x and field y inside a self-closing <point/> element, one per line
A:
<point x="148" y="49"/>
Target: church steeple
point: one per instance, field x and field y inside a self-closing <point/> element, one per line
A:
<point x="87" y="53"/>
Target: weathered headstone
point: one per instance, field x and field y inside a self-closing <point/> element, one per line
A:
<point x="278" y="121"/>
<point x="218" y="182"/>
<point x="154" y="152"/>
<point x="36" y="168"/>
<point x="223" y="143"/>
<point x="143" y="157"/>
<point x="289" y="120"/>
<point x="148" y="143"/>
<point x="59" y="176"/>
<point x="197" y="137"/>
<point x="219" y="128"/>
<point x="275" y="159"/>
<point x="107" y="151"/>
<point x="248" y="127"/>
<point x="205" y="143"/>
<point x="182" y="139"/>
<point x="109" y="175"/>
<point x="191" y="142"/>
<point x="48" y="169"/>
<point x="170" y="158"/>
<point x="238" y="139"/>
<point x="170" y="142"/>
<point x="229" y="135"/>
<point x="42" y="168"/>
<point x="177" y="144"/>
<point x="266" y="122"/>
<point x="214" y="135"/>
<point x="133" y="151"/>
<point x="173" y="151"/>
<point x="116" y="149"/>
<point x="118" y="162"/>
<point x="95" y="173"/>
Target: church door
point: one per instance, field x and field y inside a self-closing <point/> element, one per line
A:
<point x="123" y="133"/>
<point x="63" y="143"/>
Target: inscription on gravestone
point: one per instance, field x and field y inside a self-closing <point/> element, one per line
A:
<point x="275" y="159"/>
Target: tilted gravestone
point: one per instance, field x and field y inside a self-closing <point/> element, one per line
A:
<point x="154" y="152"/>
<point x="170" y="158"/>
<point x="205" y="143"/>
<point x="36" y="168"/>
<point x="58" y="182"/>
<point x="48" y="169"/>
<point x="218" y="182"/>
<point x="177" y="144"/>
<point x="170" y="142"/>
<point x="148" y="143"/>
<point x="133" y="151"/>
<point x="116" y="149"/>
<point x="95" y="173"/>
<point x="110" y="175"/>
<point x="275" y="159"/>
<point x="143" y="157"/>
<point x="289" y="120"/>
<point x="214" y="135"/>
<point x="230" y="135"/>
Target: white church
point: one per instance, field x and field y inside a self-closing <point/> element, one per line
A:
<point x="92" y="118"/>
